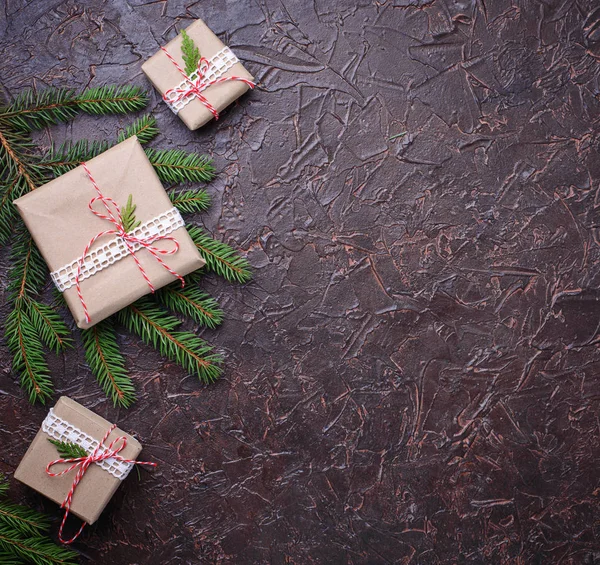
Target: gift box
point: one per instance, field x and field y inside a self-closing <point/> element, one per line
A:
<point x="219" y="82"/>
<point x="74" y="222"/>
<point x="70" y="422"/>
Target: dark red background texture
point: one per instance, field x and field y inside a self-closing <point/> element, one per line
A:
<point x="412" y="375"/>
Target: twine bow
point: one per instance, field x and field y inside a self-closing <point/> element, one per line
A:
<point x="198" y="85"/>
<point x="128" y="238"/>
<point x="82" y="464"/>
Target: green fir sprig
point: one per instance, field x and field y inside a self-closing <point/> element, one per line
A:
<point x="24" y="536"/>
<point x="190" y="53"/>
<point x="103" y="354"/>
<point x="219" y="257"/>
<point x="191" y="302"/>
<point x="130" y="222"/>
<point x="157" y="328"/>
<point x="34" y="327"/>
<point x="68" y="450"/>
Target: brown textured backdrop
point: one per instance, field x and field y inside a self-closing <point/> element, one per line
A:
<point x="412" y="377"/>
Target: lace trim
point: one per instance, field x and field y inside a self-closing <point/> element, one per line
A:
<point x="115" y="250"/>
<point x="61" y="430"/>
<point x="218" y="65"/>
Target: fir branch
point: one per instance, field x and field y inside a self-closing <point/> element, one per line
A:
<point x="107" y="363"/>
<point x="157" y="328"/>
<point x="15" y="152"/>
<point x="34" y="110"/>
<point x="28" y="269"/>
<point x="20" y="174"/>
<point x="175" y="166"/>
<point x="7" y="558"/>
<point x="130" y="222"/>
<point x="219" y="257"/>
<point x="22" y="536"/>
<point x="36" y="550"/>
<point x="70" y="155"/>
<point x="10" y="191"/>
<point x="144" y="128"/>
<point x="190" y="53"/>
<point x="68" y="450"/>
<point x="27" y="350"/>
<point x="48" y="324"/>
<point x="191" y="302"/>
<point x="190" y="201"/>
<point x="23" y="520"/>
<point x="109" y="99"/>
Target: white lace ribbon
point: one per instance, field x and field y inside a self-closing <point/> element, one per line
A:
<point x="115" y="249"/>
<point x="218" y="65"/>
<point x="61" y="430"/>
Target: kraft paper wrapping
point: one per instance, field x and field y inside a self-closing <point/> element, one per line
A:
<point x="58" y="218"/>
<point x="164" y="75"/>
<point x="97" y="486"/>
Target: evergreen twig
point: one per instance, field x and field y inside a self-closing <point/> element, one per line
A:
<point x="34" y="110"/>
<point x="191" y="302"/>
<point x="68" y="450"/>
<point x="144" y="128"/>
<point x="107" y="363"/>
<point x="37" y="550"/>
<point x="190" y="201"/>
<point x="159" y="329"/>
<point x="190" y="53"/>
<point x="27" y="351"/>
<point x="130" y="222"/>
<point x="219" y="257"/>
<point x="175" y="165"/>
<point x="24" y="536"/>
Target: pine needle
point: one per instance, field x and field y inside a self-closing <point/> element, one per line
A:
<point x="28" y="271"/>
<point x="190" y="53"/>
<point x="23" y="536"/>
<point x="190" y="201"/>
<point x="130" y="222"/>
<point x="107" y="363"/>
<point x="144" y="128"/>
<point x="27" y="350"/>
<point x="37" y="550"/>
<point x="22" y="520"/>
<point x="48" y="324"/>
<point x="68" y="450"/>
<point x="157" y="328"/>
<point x="101" y="100"/>
<point x="219" y="257"/>
<point x="176" y="166"/>
<point x="34" y="110"/>
<point x="191" y="302"/>
<point x="71" y="154"/>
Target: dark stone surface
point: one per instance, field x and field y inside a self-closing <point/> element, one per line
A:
<point x="412" y="377"/>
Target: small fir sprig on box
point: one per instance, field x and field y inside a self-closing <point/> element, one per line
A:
<point x="32" y="326"/>
<point x="24" y="536"/>
<point x="190" y="53"/>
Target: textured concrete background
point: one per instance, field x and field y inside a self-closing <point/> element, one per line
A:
<point x="412" y="377"/>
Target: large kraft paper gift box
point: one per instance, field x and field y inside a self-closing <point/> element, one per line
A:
<point x="71" y="422"/>
<point x="165" y="75"/>
<point x="62" y="225"/>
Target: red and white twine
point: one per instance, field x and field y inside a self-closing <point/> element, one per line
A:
<point x="128" y="238"/>
<point x="198" y="85"/>
<point x="82" y="464"/>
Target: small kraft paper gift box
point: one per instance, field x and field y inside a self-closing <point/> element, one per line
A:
<point x="77" y="223"/>
<point x="218" y="79"/>
<point x="82" y="485"/>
